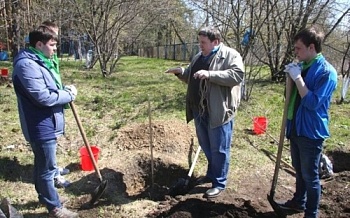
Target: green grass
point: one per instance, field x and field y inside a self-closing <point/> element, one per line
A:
<point x="107" y="104"/>
<point x="124" y="96"/>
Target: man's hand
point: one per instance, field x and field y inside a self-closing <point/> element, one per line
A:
<point x="176" y="70"/>
<point x="72" y="91"/>
<point x="201" y="74"/>
<point x="293" y="70"/>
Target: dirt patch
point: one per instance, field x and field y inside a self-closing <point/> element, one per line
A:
<point x="173" y="139"/>
<point x="134" y="177"/>
<point x="335" y="196"/>
<point x="167" y="137"/>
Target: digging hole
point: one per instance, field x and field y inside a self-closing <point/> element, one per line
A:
<point x="165" y="175"/>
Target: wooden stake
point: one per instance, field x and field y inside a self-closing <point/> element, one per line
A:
<point x="151" y="141"/>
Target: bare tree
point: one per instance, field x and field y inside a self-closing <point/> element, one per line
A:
<point x="104" y="22"/>
<point x="11" y="16"/>
<point x="162" y="24"/>
<point x="271" y="24"/>
<point x="20" y="17"/>
<point x="345" y="68"/>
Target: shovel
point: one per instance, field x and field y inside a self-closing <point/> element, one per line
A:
<point x="98" y="192"/>
<point x="181" y="186"/>
<point x="270" y="197"/>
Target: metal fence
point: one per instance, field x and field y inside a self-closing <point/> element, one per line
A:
<point x="180" y="52"/>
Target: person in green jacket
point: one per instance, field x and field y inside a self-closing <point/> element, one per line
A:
<point x="60" y="181"/>
<point x="41" y="112"/>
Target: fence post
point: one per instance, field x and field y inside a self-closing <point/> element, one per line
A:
<point x="184" y="49"/>
<point x="165" y="51"/>
<point x="158" y="51"/>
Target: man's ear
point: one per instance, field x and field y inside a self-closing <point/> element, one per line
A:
<point x="216" y="42"/>
<point x="312" y="46"/>
<point x="39" y="44"/>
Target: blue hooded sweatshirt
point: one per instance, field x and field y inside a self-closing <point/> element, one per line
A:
<point x="40" y="102"/>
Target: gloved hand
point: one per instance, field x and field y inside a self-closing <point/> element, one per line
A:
<point x="72" y="90"/>
<point x="293" y="70"/>
<point x="288" y="66"/>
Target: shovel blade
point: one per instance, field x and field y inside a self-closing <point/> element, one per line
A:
<point x="179" y="188"/>
<point x="98" y="192"/>
<point x="279" y="212"/>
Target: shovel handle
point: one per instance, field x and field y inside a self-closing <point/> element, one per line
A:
<point x="289" y="86"/>
<point x="194" y="161"/>
<point x="87" y="145"/>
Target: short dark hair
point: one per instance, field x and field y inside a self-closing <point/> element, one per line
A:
<point x="311" y="35"/>
<point x="49" y="24"/>
<point x="42" y="34"/>
<point x="211" y="32"/>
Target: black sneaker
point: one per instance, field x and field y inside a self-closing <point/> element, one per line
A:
<point x="291" y="205"/>
<point x="212" y="193"/>
<point x="62" y="213"/>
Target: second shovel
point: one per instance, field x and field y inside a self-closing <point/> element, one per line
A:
<point x="98" y="192"/>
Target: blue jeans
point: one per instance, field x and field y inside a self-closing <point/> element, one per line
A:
<point x="306" y="154"/>
<point x="216" y="144"/>
<point x="44" y="171"/>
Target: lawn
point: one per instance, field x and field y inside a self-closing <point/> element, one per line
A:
<point x="121" y="105"/>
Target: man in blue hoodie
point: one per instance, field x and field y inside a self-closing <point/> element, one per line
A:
<point x="41" y="98"/>
<point x="314" y="80"/>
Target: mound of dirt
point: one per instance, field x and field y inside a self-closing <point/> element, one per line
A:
<point x="166" y="137"/>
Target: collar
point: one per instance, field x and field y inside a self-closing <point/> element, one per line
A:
<point x="215" y="49"/>
<point x="307" y="65"/>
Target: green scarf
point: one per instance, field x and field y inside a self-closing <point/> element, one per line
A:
<point x="294" y="93"/>
<point x="52" y="64"/>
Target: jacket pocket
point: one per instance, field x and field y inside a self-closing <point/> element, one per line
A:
<point x="58" y="119"/>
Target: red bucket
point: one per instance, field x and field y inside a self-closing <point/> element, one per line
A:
<point x="85" y="160"/>
<point x="259" y="125"/>
<point x="4" y="72"/>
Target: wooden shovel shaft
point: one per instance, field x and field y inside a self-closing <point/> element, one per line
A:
<point x="87" y="145"/>
<point x="282" y="135"/>
<point x="194" y="161"/>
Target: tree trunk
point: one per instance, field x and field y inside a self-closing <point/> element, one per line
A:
<point x="8" y="24"/>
